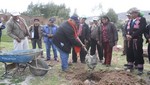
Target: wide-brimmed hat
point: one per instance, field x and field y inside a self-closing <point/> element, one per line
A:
<point x="105" y="17"/>
<point x="14" y="13"/>
<point x="95" y="19"/>
<point x="134" y="10"/>
<point x="84" y="17"/>
<point x="128" y="14"/>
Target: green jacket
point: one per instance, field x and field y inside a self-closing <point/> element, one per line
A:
<point x="14" y="30"/>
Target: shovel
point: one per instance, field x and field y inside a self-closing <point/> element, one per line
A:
<point x="91" y="60"/>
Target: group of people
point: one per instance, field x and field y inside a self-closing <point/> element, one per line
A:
<point x="20" y="32"/>
<point x="73" y="35"/>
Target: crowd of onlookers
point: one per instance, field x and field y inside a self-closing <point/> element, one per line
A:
<point x="99" y="37"/>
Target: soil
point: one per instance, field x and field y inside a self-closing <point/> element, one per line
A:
<point x="79" y="76"/>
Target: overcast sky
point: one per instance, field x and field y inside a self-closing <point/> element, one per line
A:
<point x="84" y="7"/>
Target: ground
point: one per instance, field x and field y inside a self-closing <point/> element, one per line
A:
<point x="79" y="74"/>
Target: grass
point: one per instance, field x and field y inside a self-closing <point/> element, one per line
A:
<point x="5" y="37"/>
<point x="53" y="78"/>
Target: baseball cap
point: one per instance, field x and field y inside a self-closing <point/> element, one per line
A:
<point x="52" y="19"/>
<point x="75" y="18"/>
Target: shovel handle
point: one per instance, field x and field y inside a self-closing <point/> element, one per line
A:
<point x="82" y="44"/>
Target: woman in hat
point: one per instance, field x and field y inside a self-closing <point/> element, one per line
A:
<point x="108" y="38"/>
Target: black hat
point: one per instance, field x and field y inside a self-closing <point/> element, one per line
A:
<point x="75" y="18"/>
<point x="52" y="19"/>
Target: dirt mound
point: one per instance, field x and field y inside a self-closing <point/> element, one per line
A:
<point x="107" y="78"/>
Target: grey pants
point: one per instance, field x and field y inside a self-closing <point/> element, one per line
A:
<point x="38" y="42"/>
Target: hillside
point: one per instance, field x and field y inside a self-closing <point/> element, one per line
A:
<point x="122" y="16"/>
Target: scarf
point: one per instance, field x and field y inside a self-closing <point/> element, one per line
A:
<point x="76" y="48"/>
<point x="134" y="23"/>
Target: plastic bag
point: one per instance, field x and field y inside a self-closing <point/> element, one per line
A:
<point x="91" y="61"/>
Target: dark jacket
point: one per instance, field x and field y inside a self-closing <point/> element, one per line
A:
<point x="64" y="38"/>
<point x="135" y="31"/>
<point x="111" y="32"/>
<point x="2" y="26"/>
<point x="85" y="35"/>
<point x="123" y="27"/>
<point x="31" y="29"/>
<point x="147" y="32"/>
<point x="94" y="32"/>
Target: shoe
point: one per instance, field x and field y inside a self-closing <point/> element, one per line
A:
<point x="69" y="64"/>
<point x="140" y="73"/>
<point x="126" y="65"/>
<point x="47" y="60"/>
<point x="42" y="56"/>
<point x="74" y="62"/>
<point x="135" y="67"/>
<point x="108" y="65"/>
<point x="129" y="68"/>
<point x="67" y="71"/>
<point x="56" y="60"/>
<point x="83" y="62"/>
<point x="123" y="54"/>
<point x="101" y="61"/>
<point x="148" y="73"/>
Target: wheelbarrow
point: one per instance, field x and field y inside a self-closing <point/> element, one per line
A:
<point x="20" y="59"/>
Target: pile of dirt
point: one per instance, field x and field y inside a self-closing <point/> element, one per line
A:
<point x="107" y="78"/>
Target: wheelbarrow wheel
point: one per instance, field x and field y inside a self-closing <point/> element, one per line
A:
<point x="40" y="64"/>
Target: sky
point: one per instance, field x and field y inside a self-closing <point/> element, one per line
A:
<point x="84" y="7"/>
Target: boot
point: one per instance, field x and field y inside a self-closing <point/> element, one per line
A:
<point x="129" y="67"/>
<point x="140" y="71"/>
<point x="148" y="73"/>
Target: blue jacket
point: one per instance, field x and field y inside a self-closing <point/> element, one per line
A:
<point x="48" y="30"/>
<point x="2" y="26"/>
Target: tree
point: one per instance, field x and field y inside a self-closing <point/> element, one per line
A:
<point x="112" y="15"/>
<point x="47" y="10"/>
<point x="3" y="11"/>
<point x="98" y="9"/>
